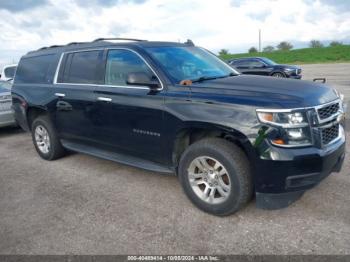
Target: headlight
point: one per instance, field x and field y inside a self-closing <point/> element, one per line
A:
<point x="291" y="128"/>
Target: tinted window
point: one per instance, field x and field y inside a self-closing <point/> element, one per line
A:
<point x="187" y="62"/>
<point x="10" y="71"/>
<point x="122" y="62"/>
<point x="83" y="67"/>
<point x="256" y="64"/>
<point x="241" y="63"/>
<point x="34" y="69"/>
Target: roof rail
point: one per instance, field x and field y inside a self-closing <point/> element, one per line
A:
<point x="76" y="43"/>
<point x="117" y="38"/>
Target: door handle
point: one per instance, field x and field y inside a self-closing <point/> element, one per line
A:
<point x="104" y="99"/>
<point x="60" y="94"/>
<point x="64" y="106"/>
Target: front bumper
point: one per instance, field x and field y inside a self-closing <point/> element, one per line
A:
<point x="295" y="76"/>
<point x="285" y="174"/>
<point x="7" y="118"/>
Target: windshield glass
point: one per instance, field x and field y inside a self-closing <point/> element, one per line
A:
<point x="190" y="63"/>
<point x="5" y="86"/>
<point x="268" y="61"/>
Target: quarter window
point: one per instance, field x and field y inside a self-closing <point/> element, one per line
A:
<point x="83" y="68"/>
<point x="35" y="69"/>
<point x="122" y="62"/>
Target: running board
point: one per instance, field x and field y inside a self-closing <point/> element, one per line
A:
<point x="116" y="157"/>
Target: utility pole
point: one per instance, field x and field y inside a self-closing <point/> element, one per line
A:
<point x="260" y="40"/>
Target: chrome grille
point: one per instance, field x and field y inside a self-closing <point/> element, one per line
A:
<point x="328" y="111"/>
<point x="329" y="134"/>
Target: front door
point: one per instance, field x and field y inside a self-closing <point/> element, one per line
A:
<point x="129" y="118"/>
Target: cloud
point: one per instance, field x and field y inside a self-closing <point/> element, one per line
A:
<point x="19" y="6"/>
<point x="106" y="3"/>
<point x="230" y="24"/>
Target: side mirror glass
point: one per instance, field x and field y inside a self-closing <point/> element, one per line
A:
<point x="142" y="79"/>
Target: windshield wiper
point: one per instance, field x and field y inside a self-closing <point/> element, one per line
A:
<point x="204" y="78"/>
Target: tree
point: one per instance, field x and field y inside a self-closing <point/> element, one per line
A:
<point x="284" y="46"/>
<point x="252" y="50"/>
<point x="335" y="43"/>
<point x="268" y="49"/>
<point x="223" y="52"/>
<point x="315" y="44"/>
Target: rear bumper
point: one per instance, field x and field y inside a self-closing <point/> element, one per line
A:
<point x="284" y="179"/>
<point x="7" y="118"/>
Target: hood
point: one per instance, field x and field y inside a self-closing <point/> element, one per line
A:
<point x="266" y="91"/>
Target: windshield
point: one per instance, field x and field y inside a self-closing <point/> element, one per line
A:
<point x="5" y="86"/>
<point x="190" y="62"/>
<point x="268" y="61"/>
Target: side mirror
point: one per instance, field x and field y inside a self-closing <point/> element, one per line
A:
<point x="142" y="79"/>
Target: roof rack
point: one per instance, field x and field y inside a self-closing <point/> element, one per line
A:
<point x="96" y="40"/>
<point x="117" y="38"/>
<point x="76" y="43"/>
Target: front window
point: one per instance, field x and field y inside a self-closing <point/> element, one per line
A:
<point x="191" y="63"/>
<point x="120" y="63"/>
<point x="269" y="61"/>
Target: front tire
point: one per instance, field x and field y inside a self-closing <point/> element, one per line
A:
<point x="45" y="139"/>
<point x="279" y="75"/>
<point x="215" y="175"/>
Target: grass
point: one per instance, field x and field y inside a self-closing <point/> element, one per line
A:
<point x="334" y="54"/>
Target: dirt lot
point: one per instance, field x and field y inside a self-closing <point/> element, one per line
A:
<point x="84" y="205"/>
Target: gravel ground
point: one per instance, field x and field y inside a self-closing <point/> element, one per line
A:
<point x="84" y="205"/>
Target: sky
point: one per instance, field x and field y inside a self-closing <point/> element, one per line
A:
<point x="231" y="24"/>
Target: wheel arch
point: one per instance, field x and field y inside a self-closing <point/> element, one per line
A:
<point x="278" y="71"/>
<point x="33" y="112"/>
<point x="195" y="131"/>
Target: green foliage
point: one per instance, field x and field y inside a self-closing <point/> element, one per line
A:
<point x="335" y="43"/>
<point x="303" y="56"/>
<point x="223" y="52"/>
<point x="252" y="50"/>
<point x="284" y="46"/>
<point x="268" y="49"/>
<point x="315" y="44"/>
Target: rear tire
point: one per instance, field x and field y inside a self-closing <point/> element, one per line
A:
<point x="215" y="175"/>
<point x="45" y="139"/>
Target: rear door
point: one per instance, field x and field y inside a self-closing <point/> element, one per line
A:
<point x="129" y="118"/>
<point x="241" y="65"/>
<point x="75" y="115"/>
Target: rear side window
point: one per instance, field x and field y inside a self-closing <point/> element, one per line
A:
<point x="82" y="68"/>
<point x="34" y="69"/>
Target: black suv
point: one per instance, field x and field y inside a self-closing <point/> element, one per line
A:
<point x="265" y="66"/>
<point x="177" y="108"/>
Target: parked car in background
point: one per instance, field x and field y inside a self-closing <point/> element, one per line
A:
<point x="265" y="66"/>
<point x="8" y="72"/>
<point x="6" y="112"/>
